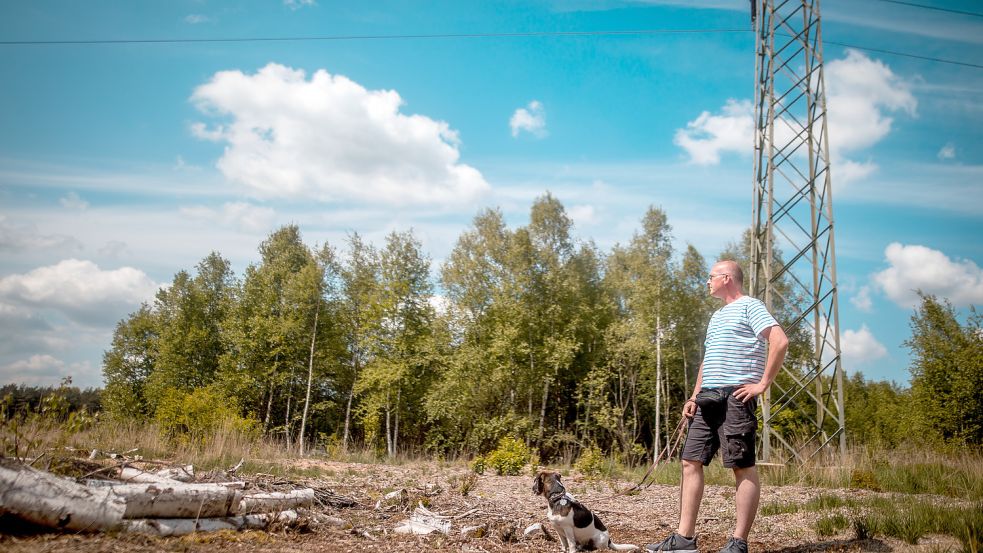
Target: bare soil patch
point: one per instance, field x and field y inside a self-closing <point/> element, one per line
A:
<point x="505" y="505"/>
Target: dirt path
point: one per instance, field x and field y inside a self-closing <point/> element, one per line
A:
<point x="505" y="504"/>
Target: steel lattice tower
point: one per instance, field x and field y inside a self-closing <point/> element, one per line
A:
<point x="793" y="213"/>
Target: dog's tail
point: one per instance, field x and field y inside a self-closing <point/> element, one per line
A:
<point x="622" y="546"/>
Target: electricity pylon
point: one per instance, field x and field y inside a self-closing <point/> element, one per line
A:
<point x="793" y="213"/>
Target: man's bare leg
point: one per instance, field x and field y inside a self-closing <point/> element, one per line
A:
<point x="748" y="496"/>
<point x="690" y="497"/>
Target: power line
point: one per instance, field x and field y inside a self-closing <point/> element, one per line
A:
<point x="948" y="10"/>
<point x="365" y="37"/>
<point x="453" y="36"/>
<point x="904" y="54"/>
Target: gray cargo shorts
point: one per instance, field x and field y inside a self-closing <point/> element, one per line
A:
<point x="732" y="424"/>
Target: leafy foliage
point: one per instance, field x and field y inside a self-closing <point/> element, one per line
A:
<point x="509" y="457"/>
<point x="532" y="334"/>
<point x="947" y="373"/>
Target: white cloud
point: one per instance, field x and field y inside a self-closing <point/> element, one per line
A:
<point x="948" y="151"/>
<point x="583" y="215"/>
<point x="79" y="289"/>
<point x="846" y="171"/>
<point x="860" y="347"/>
<point x="862" y="300"/>
<point x="196" y="18"/>
<point x="241" y="215"/>
<point x="26" y="238"/>
<point x="47" y="370"/>
<point x="707" y="136"/>
<point x="914" y="267"/>
<point x="113" y="248"/>
<point x="73" y="201"/>
<point x="860" y="92"/>
<point x="297" y="4"/>
<point x="531" y="119"/>
<point x="329" y="138"/>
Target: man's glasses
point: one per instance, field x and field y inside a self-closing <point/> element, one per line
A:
<point x="713" y="276"/>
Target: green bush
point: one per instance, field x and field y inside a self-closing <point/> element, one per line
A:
<point x="191" y="417"/>
<point x="478" y="465"/>
<point x="509" y="458"/>
<point x="592" y="463"/>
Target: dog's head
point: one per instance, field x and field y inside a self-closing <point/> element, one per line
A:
<point x="547" y="483"/>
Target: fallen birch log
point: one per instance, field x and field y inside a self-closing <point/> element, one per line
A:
<point x="178" y="500"/>
<point x="133" y="474"/>
<point x="164" y="527"/>
<point x="54" y="502"/>
<point x="276" y="501"/>
<point x="184" y="473"/>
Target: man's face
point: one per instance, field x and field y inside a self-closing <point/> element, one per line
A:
<point x="717" y="280"/>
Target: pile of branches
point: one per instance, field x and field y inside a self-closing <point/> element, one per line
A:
<point x="128" y="496"/>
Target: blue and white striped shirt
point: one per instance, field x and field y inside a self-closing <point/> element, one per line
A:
<point x="735" y="354"/>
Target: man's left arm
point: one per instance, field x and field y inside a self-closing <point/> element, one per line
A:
<point x="777" y="346"/>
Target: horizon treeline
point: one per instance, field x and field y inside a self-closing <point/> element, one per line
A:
<point x="534" y="335"/>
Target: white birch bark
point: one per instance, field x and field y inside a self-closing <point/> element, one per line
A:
<point x="53" y="502"/>
<point x="183" y="526"/>
<point x="276" y="501"/>
<point x="178" y="501"/>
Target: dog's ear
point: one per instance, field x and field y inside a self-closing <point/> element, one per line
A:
<point x="537" y="484"/>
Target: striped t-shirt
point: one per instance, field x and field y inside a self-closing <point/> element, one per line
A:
<point x="735" y="354"/>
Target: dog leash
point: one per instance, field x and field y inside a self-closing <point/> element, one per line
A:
<point x="672" y="445"/>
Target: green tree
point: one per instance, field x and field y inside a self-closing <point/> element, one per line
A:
<point x="878" y="414"/>
<point x="947" y="372"/>
<point x="394" y="383"/>
<point x="359" y="317"/>
<point x="128" y="363"/>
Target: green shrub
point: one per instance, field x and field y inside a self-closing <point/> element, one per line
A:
<point x="509" y="458"/>
<point x="864" y="480"/>
<point x="592" y="463"/>
<point x="479" y="464"/>
<point x="191" y="417"/>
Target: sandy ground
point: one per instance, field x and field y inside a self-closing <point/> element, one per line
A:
<point x="503" y="505"/>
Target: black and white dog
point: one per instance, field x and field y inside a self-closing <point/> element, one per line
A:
<point x="578" y="527"/>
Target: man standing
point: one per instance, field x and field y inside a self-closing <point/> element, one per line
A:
<point x="745" y="347"/>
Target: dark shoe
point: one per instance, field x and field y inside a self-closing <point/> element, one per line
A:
<point x="676" y="544"/>
<point x="735" y="545"/>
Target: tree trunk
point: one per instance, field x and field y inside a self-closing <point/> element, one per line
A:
<point x="163" y="527"/>
<point x="348" y="407"/>
<point x="290" y="396"/>
<point x="178" y="501"/>
<point x="53" y="502"/>
<point x="269" y="401"/>
<point x="276" y="501"/>
<point x="399" y="393"/>
<point x="389" y="438"/>
<point x="542" y="409"/>
<point x="310" y="378"/>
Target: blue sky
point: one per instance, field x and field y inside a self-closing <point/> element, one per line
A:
<point x="122" y="163"/>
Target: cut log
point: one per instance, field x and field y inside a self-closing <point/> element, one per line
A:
<point x="133" y="474"/>
<point x="182" y="526"/>
<point x="184" y="473"/>
<point x="276" y="501"/>
<point x="53" y="502"/>
<point x="178" y="500"/>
